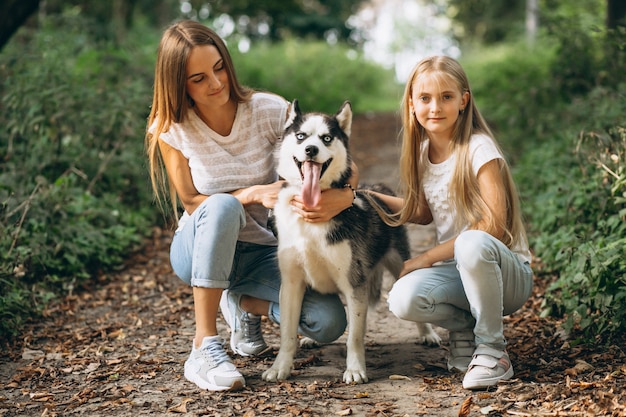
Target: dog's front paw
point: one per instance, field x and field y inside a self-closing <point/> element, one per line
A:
<point x="276" y="373"/>
<point x="355" y="376"/>
<point x="427" y="336"/>
<point x="308" y="343"/>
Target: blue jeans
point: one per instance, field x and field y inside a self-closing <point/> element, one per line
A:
<point x="484" y="282"/>
<point x="205" y="253"/>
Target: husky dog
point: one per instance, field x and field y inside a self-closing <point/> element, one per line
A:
<point x="345" y="255"/>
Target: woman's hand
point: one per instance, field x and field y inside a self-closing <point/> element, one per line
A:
<point x="265" y="195"/>
<point x="333" y="202"/>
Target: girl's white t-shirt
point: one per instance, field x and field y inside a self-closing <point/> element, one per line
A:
<point x="436" y="183"/>
<point x="245" y="157"/>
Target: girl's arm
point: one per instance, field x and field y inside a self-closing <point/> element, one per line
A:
<point x="395" y="204"/>
<point x="493" y="192"/>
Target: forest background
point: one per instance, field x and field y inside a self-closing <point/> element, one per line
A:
<point x="76" y="79"/>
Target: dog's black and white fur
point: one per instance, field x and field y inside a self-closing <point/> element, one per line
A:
<point x="345" y="255"/>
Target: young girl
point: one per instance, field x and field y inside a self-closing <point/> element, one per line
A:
<point x="215" y="140"/>
<point x="454" y="174"/>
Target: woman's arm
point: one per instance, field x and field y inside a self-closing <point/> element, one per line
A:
<point x="178" y="172"/>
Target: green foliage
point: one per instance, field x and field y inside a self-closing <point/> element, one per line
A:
<point x="514" y="91"/>
<point x="558" y="109"/>
<point x="320" y="76"/>
<point x="74" y="195"/>
<point x="577" y="210"/>
<point x="281" y="19"/>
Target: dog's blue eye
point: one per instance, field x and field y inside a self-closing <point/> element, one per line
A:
<point x="327" y="138"/>
<point x="300" y="136"/>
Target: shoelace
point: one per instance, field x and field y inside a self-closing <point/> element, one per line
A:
<point x="214" y="353"/>
<point x="251" y="328"/>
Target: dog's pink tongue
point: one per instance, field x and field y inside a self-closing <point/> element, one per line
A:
<point x="311" y="192"/>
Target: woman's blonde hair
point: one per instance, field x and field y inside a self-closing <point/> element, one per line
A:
<point x="464" y="190"/>
<point x="170" y="102"/>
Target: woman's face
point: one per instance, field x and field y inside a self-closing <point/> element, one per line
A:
<point x="207" y="79"/>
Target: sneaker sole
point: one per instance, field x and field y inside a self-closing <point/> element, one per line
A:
<point x="245" y="354"/>
<point x="202" y="384"/>
<point x="488" y="382"/>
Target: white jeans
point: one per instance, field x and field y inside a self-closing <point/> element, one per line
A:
<point x="484" y="282"/>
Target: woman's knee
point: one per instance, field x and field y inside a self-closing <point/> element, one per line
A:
<point x="223" y="206"/>
<point x="323" y="319"/>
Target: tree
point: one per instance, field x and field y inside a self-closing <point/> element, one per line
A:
<point x="13" y="14"/>
<point x="276" y="19"/>
<point x="616" y="14"/>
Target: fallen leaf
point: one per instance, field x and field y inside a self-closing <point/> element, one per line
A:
<point x="180" y="408"/>
<point x="465" y="407"/>
<point x="399" y="377"/>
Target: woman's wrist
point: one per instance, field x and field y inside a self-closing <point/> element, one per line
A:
<point x="348" y="186"/>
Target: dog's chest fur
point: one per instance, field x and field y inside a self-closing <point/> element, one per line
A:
<point x="325" y="263"/>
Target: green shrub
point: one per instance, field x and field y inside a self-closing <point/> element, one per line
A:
<point x="577" y="212"/>
<point x="74" y="194"/>
<point x="320" y="76"/>
<point x="514" y="92"/>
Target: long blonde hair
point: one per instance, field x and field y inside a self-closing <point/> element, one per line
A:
<point x="464" y="190"/>
<point x="171" y="103"/>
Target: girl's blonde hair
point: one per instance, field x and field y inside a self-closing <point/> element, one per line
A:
<point x="170" y="102"/>
<point x="464" y="190"/>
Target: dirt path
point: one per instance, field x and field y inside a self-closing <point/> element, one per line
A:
<point x="118" y="347"/>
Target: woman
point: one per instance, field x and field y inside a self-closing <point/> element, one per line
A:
<point x="210" y="144"/>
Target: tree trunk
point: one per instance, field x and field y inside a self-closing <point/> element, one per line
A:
<point x="532" y="21"/>
<point x="616" y="13"/>
<point x="13" y="14"/>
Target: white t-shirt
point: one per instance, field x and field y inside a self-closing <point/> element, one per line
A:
<point x="221" y="164"/>
<point x="436" y="182"/>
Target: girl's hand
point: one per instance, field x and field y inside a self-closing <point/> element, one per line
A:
<point x="333" y="202"/>
<point x="416" y="263"/>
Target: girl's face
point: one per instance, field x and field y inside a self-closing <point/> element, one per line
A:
<point x="436" y="101"/>
<point x="207" y="79"/>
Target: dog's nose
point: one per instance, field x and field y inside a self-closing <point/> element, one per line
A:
<point x="311" y="151"/>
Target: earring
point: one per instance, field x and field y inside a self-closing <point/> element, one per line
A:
<point x="461" y="111"/>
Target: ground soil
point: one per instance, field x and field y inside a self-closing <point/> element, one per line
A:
<point x="117" y="348"/>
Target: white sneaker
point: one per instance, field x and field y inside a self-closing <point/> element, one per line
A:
<point x="246" y="338"/>
<point x="462" y="347"/>
<point x="210" y="368"/>
<point x="488" y="367"/>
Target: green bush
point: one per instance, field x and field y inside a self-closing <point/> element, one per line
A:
<point x="320" y="76"/>
<point x="577" y="211"/>
<point x="74" y="194"/>
<point x="514" y="92"/>
<point x="558" y="109"/>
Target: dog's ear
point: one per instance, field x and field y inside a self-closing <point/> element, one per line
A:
<point x="293" y="114"/>
<point x="344" y="117"/>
